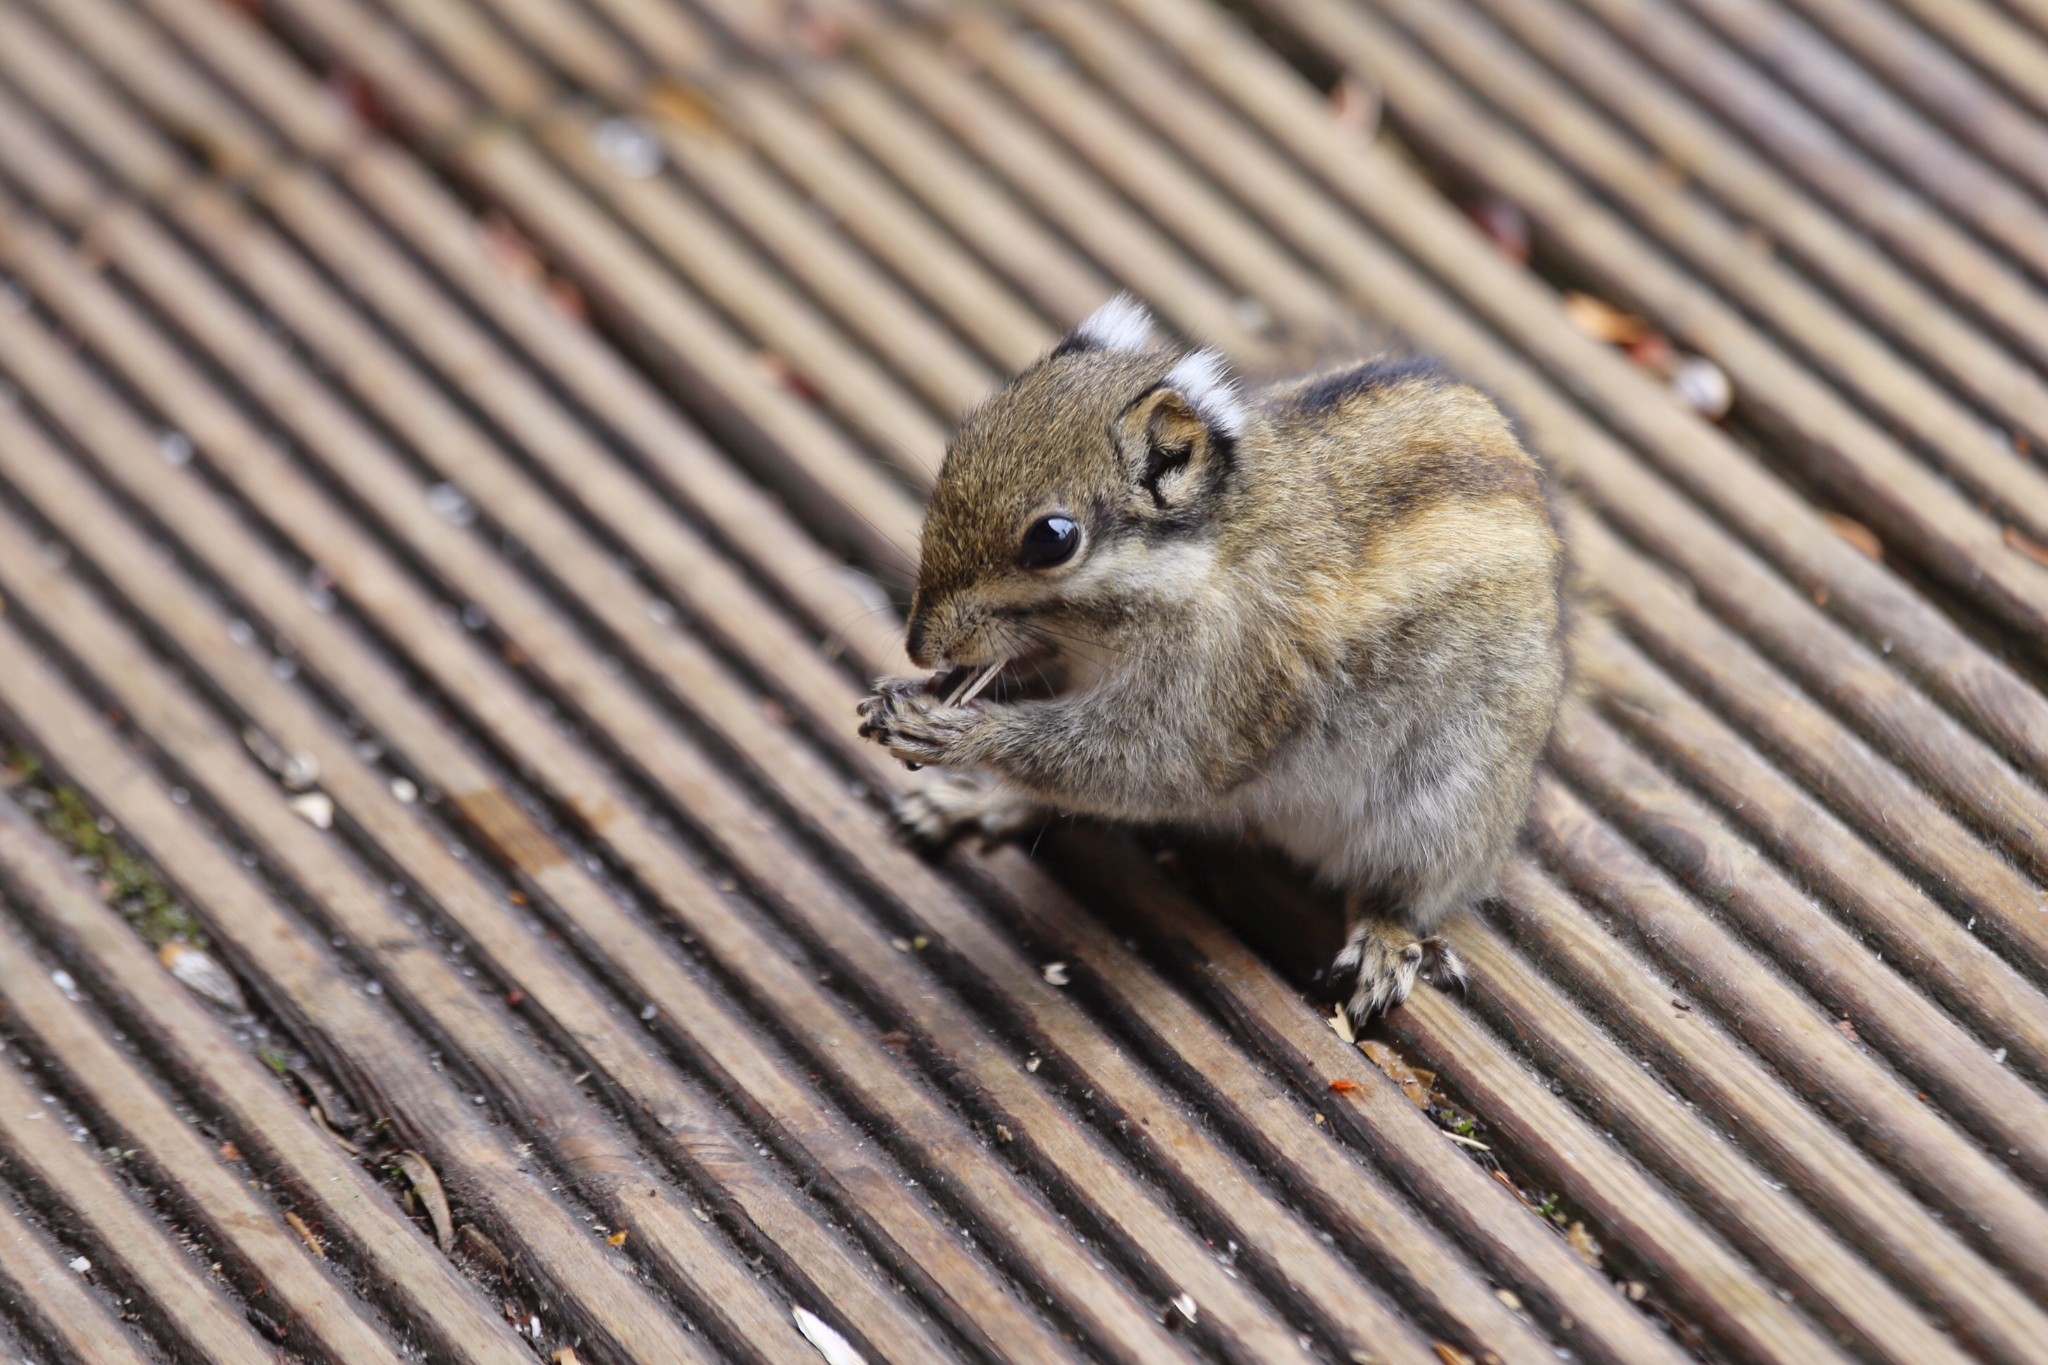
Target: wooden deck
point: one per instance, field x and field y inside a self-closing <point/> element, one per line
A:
<point x="455" y="460"/>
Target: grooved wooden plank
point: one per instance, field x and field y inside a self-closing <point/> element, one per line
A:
<point x="1705" y="1063"/>
<point x="1797" y="792"/>
<point x="125" y="1244"/>
<point x="1967" y="975"/>
<point x="1935" y="167"/>
<point x="540" y="540"/>
<point x="557" y="875"/>
<point x="583" y="1021"/>
<point x="304" y="986"/>
<point x="267" y="1126"/>
<point x="1743" y="1313"/>
<point x="295" y="1292"/>
<point x="1755" y="1001"/>
<point x="1624" y="264"/>
<point x="1995" y="42"/>
<point x="735" y="278"/>
<point x="1785" y="213"/>
<point x="49" y="1295"/>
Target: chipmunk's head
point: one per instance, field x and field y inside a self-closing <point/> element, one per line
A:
<point x="1077" y="502"/>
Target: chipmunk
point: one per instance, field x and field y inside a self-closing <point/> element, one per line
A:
<point x="1327" y="613"/>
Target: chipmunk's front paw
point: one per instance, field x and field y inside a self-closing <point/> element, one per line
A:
<point x="1385" y="960"/>
<point x="917" y="727"/>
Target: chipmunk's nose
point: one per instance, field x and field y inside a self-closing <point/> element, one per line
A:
<point x="917" y="641"/>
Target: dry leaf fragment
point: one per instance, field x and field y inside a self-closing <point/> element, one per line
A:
<point x="565" y="1356"/>
<point x="1583" y="1244"/>
<point x="510" y="248"/>
<point x="420" y="1173"/>
<point x="1654" y="352"/>
<point x="196" y="970"/>
<point x="1416" y="1084"/>
<point x="1355" y="105"/>
<point x="617" y="1239"/>
<point x="684" y="105"/>
<point x="1847" y="1030"/>
<point x="484" y="1249"/>
<point x="567" y="300"/>
<point x="1451" y="1355"/>
<point x="306" y="1234"/>
<point x="230" y="1152"/>
<point x="1857" y="534"/>
<point x="787" y="375"/>
<point x="1505" y="225"/>
<point x="320" y="1119"/>
<point x="836" y="1349"/>
<point x="1602" y="320"/>
<point x="2016" y="539"/>
<point x="824" y="36"/>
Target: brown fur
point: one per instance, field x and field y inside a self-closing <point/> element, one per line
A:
<point x="1327" y="612"/>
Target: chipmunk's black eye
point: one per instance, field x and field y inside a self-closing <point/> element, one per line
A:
<point x="1049" y="541"/>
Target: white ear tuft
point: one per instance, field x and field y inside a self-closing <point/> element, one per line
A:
<point x="1204" y="380"/>
<point x="1122" y="324"/>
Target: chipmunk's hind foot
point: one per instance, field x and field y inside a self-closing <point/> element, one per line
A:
<point x="950" y="806"/>
<point x="1384" y="960"/>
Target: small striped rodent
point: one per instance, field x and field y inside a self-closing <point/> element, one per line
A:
<point x="1326" y="612"/>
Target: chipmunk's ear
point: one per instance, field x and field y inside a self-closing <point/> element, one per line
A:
<point x="1180" y="437"/>
<point x="1122" y="324"/>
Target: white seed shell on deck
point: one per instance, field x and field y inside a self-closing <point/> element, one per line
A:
<point x="196" y="970"/>
<point x="1703" y="386"/>
<point x="835" y="1348"/>
<point x="315" y="808"/>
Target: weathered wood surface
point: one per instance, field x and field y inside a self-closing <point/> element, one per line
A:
<point x="506" y="420"/>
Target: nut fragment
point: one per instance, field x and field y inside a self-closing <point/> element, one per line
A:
<point x="836" y="1349"/>
<point x="196" y="970"/>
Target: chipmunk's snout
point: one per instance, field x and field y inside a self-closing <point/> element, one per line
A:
<point x="936" y="631"/>
<point x="952" y="631"/>
<point x="917" y="640"/>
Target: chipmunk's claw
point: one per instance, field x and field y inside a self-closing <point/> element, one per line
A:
<point x="913" y="725"/>
<point x="1384" y="961"/>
